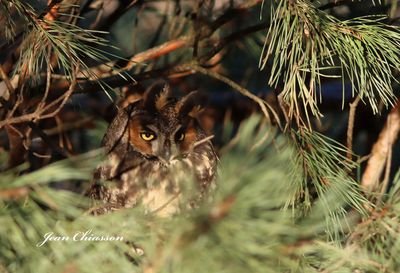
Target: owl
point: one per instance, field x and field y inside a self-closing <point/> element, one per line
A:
<point x="156" y="151"/>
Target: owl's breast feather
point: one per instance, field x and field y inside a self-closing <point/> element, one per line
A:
<point x="155" y="185"/>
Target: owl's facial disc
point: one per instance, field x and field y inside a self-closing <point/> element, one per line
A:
<point x="163" y="129"/>
<point x="155" y="140"/>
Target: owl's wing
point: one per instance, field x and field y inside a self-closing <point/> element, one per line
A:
<point x="120" y="156"/>
<point x="116" y="143"/>
<point x="116" y="132"/>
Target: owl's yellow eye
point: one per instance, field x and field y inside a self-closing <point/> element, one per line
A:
<point x="147" y="136"/>
<point x="181" y="137"/>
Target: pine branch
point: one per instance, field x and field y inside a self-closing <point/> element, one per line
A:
<point x="304" y="41"/>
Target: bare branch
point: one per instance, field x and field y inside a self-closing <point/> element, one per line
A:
<point x="381" y="149"/>
<point x="350" y="127"/>
<point x="262" y="103"/>
<point x="6" y="80"/>
<point x="40" y="113"/>
<point x="158" y="51"/>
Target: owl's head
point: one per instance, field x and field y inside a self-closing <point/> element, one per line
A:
<point x="164" y="128"/>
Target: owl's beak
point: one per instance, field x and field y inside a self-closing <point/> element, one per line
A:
<point x="166" y="153"/>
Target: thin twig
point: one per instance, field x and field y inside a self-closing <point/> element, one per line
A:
<point x="35" y="129"/>
<point x="6" y="80"/>
<point x="40" y="113"/>
<point x="262" y="140"/>
<point x="63" y="100"/>
<point x="17" y="103"/>
<point x="262" y="103"/>
<point x="48" y="81"/>
<point x="163" y="206"/>
<point x="223" y="42"/>
<point x="197" y="143"/>
<point x="350" y="127"/>
<point x="385" y="182"/>
<point x="65" y="127"/>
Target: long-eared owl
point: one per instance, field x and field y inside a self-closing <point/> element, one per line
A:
<point x="154" y="147"/>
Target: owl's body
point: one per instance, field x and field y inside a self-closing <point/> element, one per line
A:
<point x="155" y="147"/>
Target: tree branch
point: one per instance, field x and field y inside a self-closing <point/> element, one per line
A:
<point x="381" y="150"/>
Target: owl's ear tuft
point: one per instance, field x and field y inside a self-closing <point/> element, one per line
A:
<point x="153" y="95"/>
<point x="191" y="104"/>
<point x="162" y="98"/>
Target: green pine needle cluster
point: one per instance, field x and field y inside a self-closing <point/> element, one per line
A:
<point x="72" y="47"/>
<point x="284" y="203"/>
<point x="246" y="227"/>
<point x="305" y="44"/>
<point x="323" y="177"/>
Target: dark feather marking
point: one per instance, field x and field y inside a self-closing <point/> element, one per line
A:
<point x="117" y="129"/>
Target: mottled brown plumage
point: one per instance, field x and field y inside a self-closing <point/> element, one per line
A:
<point x="155" y="147"/>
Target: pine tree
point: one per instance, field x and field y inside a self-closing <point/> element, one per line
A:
<point x="293" y="194"/>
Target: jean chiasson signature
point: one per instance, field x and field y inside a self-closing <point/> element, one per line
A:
<point x="87" y="236"/>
